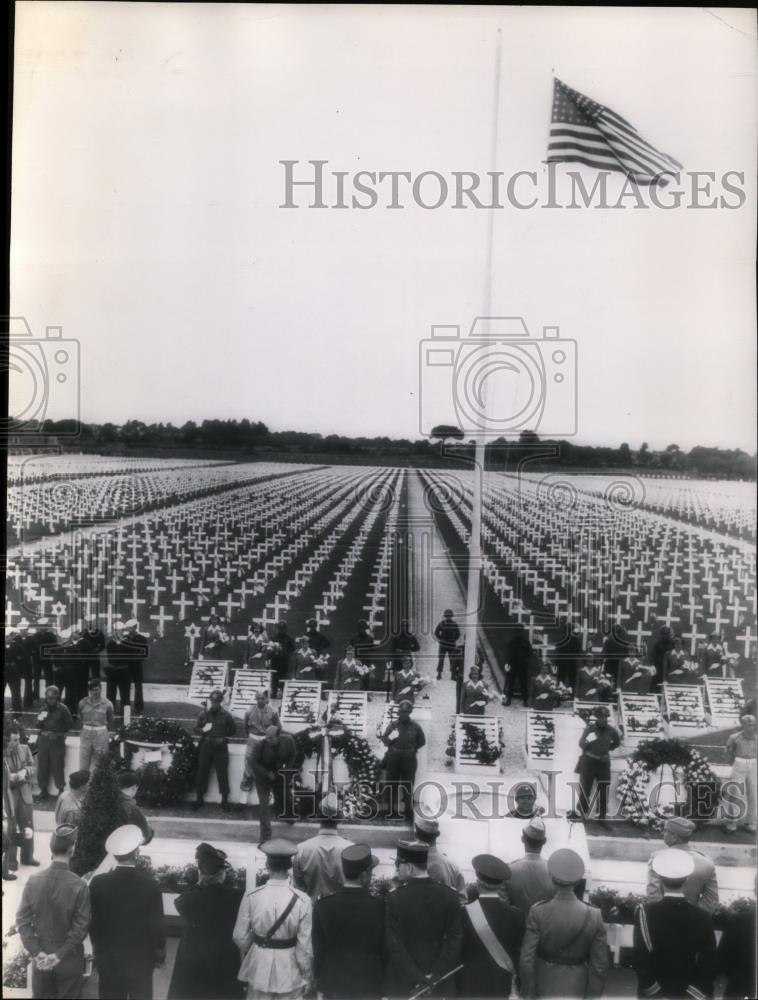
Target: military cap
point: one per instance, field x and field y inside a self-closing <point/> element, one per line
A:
<point x="216" y="695"/>
<point x="279" y="847"/>
<point x="490" y="869"/>
<point x="565" y="866"/>
<point x="210" y="859"/>
<point x="412" y="850"/>
<point x="357" y="859"/>
<point x="426" y="825"/>
<point x="748" y="720"/>
<point x="64" y="837"/>
<point x="525" y="788"/>
<point x="329" y="807"/>
<point x="78" y="779"/>
<point x="53" y="689"/>
<point x="124" y="841"/>
<point x="405" y="702"/>
<point x="672" y="864"/>
<point x="127" y="779"/>
<point x="132" y="623"/>
<point x="535" y="829"/>
<point x="447" y="613"/>
<point x="680" y="825"/>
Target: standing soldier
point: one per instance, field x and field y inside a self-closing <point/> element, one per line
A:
<point x="701" y="886"/>
<point x="518" y="656"/>
<point x="596" y="742"/>
<point x="16" y="661"/>
<point x="215" y="727"/>
<point x="438" y="865"/>
<point x="283" y="646"/>
<point x="96" y="715"/>
<point x="53" y="920"/>
<point x="44" y="642"/>
<point x="564" y="952"/>
<point x="530" y="881"/>
<point x="525" y="801"/>
<point x="492" y="934"/>
<point x="674" y="943"/>
<point x="92" y="645"/>
<point x="64" y="671"/>
<point x="128" y="938"/>
<point x="317" y="868"/>
<point x="128" y="783"/>
<point x="423" y="927"/>
<point x="54" y="722"/>
<point x="68" y="808"/>
<point x="403" y="740"/>
<point x="404" y="643"/>
<point x="273" y="931"/>
<point x="272" y="762"/>
<point x="447" y="635"/>
<point x="117" y="676"/>
<point x="316" y="638"/>
<point x="139" y="650"/>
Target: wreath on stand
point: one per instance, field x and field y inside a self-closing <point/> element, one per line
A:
<point x="684" y="762"/>
<point x="363" y="766"/>
<point x="475" y="744"/>
<point x="157" y="787"/>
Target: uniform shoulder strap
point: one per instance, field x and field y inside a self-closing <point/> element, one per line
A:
<point x="487" y="936"/>
<point x="282" y="917"/>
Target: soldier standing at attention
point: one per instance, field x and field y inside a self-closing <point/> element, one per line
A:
<point x="403" y="740"/>
<point x="423" y="927"/>
<point x="674" y="943"/>
<point x="317" y="868"/>
<point x="701" y="886"/>
<point x="54" y="722"/>
<point x="564" y="952"/>
<point x="96" y="714"/>
<point x="492" y="934"/>
<point x="447" y="635"/>
<point x="438" y="865"/>
<point x="53" y="920"/>
<point x="530" y="880"/>
<point x="273" y="931"/>
<point x="215" y="726"/>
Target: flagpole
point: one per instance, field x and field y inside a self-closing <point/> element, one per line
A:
<point x="475" y="540"/>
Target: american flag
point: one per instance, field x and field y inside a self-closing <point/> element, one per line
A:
<point x="583" y="131"/>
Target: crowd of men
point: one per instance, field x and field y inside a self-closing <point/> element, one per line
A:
<point x="317" y="923"/>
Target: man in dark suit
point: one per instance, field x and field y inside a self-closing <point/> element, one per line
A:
<point x="272" y="762"/>
<point x="139" y="650"/>
<point x="447" y="635"/>
<point x="517" y="656"/>
<point x="674" y="944"/>
<point x="127" y="932"/>
<point x="348" y="932"/>
<point x="492" y="934"/>
<point x="423" y="928"/>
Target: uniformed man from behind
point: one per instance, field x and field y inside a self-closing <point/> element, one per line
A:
<point x="403" y="739"/>
<point x="438" y="865"/>
<point x="564" y="953"/>
<point x="53" y="920"/>
<point x="492" y="934"/>
<point x="68" y="808"/>
<point x="674" y="943"/>
<point x="128" y="783"/>
<point x="317" y="867"/>
<point x="273" y="931"/>
<point x="701" y="887"/>
<point x="530" y="880"/>
<point x="423" y="928"/>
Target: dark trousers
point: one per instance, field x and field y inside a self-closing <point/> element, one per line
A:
<point x="212" y="752"/>
<point x="118" y="681"/>
<point x="518" y="672"/>
<point x="24" y="820"/>
<point x="51" y="753"/>
<point x="66" y="682"/>
<point x="13" y="681"/>
<point x="135" y="672"/>
<point x="450" y="652"/>
<point x="42" y="668"/>
<point x="79" y="679"/>
<point x="281" y="791"/>
<point x="280" y="666"/>
<point x="10" y="846"/>
<point x="65" y="981"/>
<point x="590" y="772"/>
<point x="124" y="981"/>
<point x="26" y="676"/>
<point x="401" y="770"/>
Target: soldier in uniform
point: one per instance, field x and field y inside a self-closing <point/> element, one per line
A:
<point x="92" y="644"/>
<point x="525" y="795"/>
<point x="317" y="868"/>
<point x="273" y="931"/>
<point x="438" y="865"/>
<point x="44" y="643"/>
<point x="53" y="920"/>
<point x="96" y="715"/>
<point x="564" y="953"/>
<point x="530" y="880"/>
<point x="16" y="665"/>
<point x="316" y="639"/>
<point x="128" y="782"/>
<point x="272" y="762"/>
<point x="447" y="635"/>
<point x="596" y="743"/>
<point x="127" y="932"/>
<point x="492" y="934"/>
<point x="68" y="808"/>
<point x="674" y="943"/>
<point x="54" y="722"/>
<point x="139" y="650"/>
<point x="349" y="933"/>
<point x="215" y="726"/>
<point x="423" y="927"/>
<point x="403" y="739"/>
<point x="207" y="960"/>
<point x="701" y="886"/>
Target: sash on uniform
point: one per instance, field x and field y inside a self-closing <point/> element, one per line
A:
<point x="487" y="936"/>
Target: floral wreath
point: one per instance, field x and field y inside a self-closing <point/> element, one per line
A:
<point x="475" y="744"/>
<point x="156" y="786"/>
<point x="649" y="756"/>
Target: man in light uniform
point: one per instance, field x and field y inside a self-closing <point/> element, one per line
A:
<point x="273" y="931"/>
<point x="68" y="808"/>
<point x="438" y="865"/>
<point x="317" y="868"/>
<point x="564" y="953"/>
<point x="530" y="880"/>
<point x="701" y="887"/>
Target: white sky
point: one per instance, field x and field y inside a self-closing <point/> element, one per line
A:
<point x="146" y="187"/>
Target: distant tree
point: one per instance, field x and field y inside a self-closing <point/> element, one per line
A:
<point x="625" y="454"/>
<point x="444" y="431"/>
